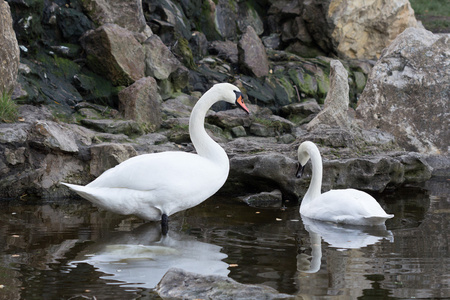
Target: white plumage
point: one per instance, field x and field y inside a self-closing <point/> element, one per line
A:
<point x="347" y="206"/>
<point x="153" y="185"/>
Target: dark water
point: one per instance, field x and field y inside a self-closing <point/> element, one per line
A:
<point x="67" y="249"/>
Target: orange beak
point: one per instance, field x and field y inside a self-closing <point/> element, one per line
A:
<point x="241" y="104"/>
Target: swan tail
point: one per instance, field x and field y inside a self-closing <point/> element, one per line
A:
<point x="82" y="191"/>
<point x="73" y="187"/>
<point x="377" y="220"/>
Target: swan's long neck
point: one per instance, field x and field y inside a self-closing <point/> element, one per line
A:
<point x="315" y="185"/>
<point x="203" y="143"/>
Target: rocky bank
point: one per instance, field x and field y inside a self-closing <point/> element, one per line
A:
<point x="100" y="81"/>
<point x="96" y="85"/>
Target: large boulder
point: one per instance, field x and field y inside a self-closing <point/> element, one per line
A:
<point x="408" y="92"/>
<point x="180" y="284"/>
<point x="127" y="14"/>
<point x="159" y="60"/>
<point x="252" y="54"/>
<point x="107" y="155"/>
<point x="336" y="103"/>
<point x="142" y="103"/>
<point x="114" y="52"/>
<point x="9" y="50"/>
<point x="38" y="153"/>
<point x="362" y="29"/>
<point x="49" y="135"/>
<point x="350" y="29"/>
<point x="167" y="19"/>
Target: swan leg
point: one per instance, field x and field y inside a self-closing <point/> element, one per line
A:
<point x="164" y="224"/>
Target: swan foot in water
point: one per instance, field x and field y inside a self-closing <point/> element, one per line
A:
<point x="164" y="224"/>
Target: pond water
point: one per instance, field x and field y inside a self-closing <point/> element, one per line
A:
<point x="67" y="249"/>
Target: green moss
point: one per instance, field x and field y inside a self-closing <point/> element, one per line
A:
<point x="66" y="67"/>
<point x="206" y="22"/>
<point x="183" y="50"/>
<point x="305" y="82"/>
<point x="323" y="85"/>
<point x="8" y="108"/>
<point x="59" y="66"/>
<point x="284" y="91"/>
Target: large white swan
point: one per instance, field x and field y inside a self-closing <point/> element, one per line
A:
<point x="347" y="206"/>
<point x="155" y="186"/>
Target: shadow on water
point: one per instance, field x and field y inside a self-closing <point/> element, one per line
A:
<point x="68" y="249"/>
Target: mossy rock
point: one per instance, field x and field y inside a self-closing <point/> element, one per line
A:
<point x="305" y="82"/>
<point x="96" y="89"/>
<point x="184" y="53"/>
<point x="323" y="85"/>
<point x="360" y="81"/>
<point x="259" y="91"/>
<point x="284" y="91"/>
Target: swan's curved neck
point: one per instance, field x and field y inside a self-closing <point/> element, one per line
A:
<point x="203" y="143"/>
<point x="315" y="185"/>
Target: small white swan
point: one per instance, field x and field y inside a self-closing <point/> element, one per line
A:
<point x="347" y="206"/>
<point x="155" y="186"/>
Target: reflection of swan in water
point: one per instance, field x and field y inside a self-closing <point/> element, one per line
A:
<point x="339" y="236"/>
<point x="141" y="257"/>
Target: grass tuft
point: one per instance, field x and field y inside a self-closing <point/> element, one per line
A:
<point x="8" y="108"/>
<point x="434" y="14"/>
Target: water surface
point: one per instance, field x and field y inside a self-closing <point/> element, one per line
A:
<point x="64" y="249"/>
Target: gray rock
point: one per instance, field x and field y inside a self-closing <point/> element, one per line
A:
<point x="127" y="14"/>
<point x="159" y="60"/>
<point x="107" y="155"/>
<point x="127" y="127"/>
<point x="259" y="129"/>
<point x="337" y="100"/>
<point x="271" y="199"/>
<point x="248" y="16"/>
<point x="298" y="112"/>
<point x="179" y="284"/>
<point x="226" y="50"/>
<point x="375" y="173"/>
<point x="266" y="171"/>
<point x="408" y="90"/>
<point x="225" y="19"/>
<point x="238" y="131"/>
<point x="199" y="45"/>
<point x="141" y="102"/>
<point x="51" y="135"/>
<point x="252" y="54"/>
<point x="115" y="53"/>
<point x="13" y="133"/>
<point x="229" y="118"/>
<point x="272" y="41"/>
<point x="73" y="24"/>
<point x="168" y="19"/>
<point x="276" y="170"/>
<point x="294" y="29"/>
<point x="15" y="156"/>
<point x="9" y="51"/>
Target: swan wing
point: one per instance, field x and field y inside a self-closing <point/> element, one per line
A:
<point x="348" y="206"/>
<point x="158" y="171"/>
<point x="151" y="184"/>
